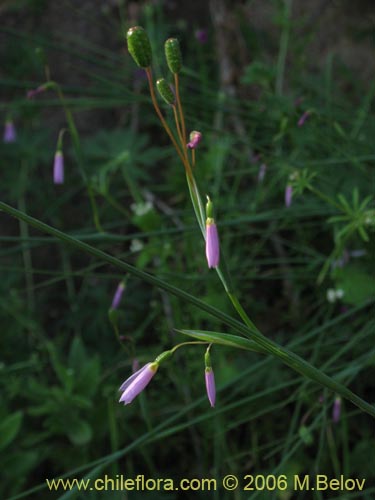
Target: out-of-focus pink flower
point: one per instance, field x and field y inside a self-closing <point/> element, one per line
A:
<point x="58" y="168"/>
<point x="336" y="410"/>
<point x="288" y="195"/>
<point x="34" y="92"/>
<point x="195" y="138"/>
<point x="201" y="36"/>
<point x="117" y="296"/>
<point x="10" y="134"/>
<point x="303" y="118"/>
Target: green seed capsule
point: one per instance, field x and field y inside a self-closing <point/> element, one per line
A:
<point x="173" y="55"/>
<point x="165" y="91"/>
<point x="139" y="46"/>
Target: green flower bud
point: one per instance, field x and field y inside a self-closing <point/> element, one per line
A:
<point x="139" y="46"/>
<point x="165" y="91"/>
<point x="173" y="55"/>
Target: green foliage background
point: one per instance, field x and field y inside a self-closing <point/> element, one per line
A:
<point x="61" y="360"/>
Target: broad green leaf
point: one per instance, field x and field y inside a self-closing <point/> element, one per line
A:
<point x="79" y="432"/>
<point x="9" y="428"/>
<point x="223" y="339"/>
<point x="357" y="283"/>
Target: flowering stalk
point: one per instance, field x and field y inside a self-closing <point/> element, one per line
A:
<point x="183" y="155"/>
<point x="288" y="357"/>
<point x="77" y="147"/>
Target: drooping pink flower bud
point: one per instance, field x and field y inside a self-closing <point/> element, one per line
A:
<point x="195" y="138"/>
<point x="209" y="378"/>
<point x="118" y="294"/>
<point x="34" y="92"/>
<point x="210" y="386"/>
<point x="137" y="382"/>
<point x="212" y="243"/>
<point x="58" y="168"/>
<point x="336" y="410"/>
<point x="288" y="195"/>
<point x="10" y="134"/>
<point x="303" y="118"/>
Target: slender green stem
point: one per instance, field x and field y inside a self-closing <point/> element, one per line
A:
<point x="181" y="113"/>
<point x="286" y="356"/>
<point x="79" y="155"/>
<point x="161" y="117"/>
<point x="26" y="252"/>
<point x="325" y="198"/>
<point x="284" y="41"/>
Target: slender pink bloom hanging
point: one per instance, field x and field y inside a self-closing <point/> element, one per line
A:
<point x="303" y="118"/>
<point x="10" y="134"/>
<point x="210" y="386"/>
<point x="212" y="243"/>
<point x="288" y="195"/>
<point x="137" y="382"/>
<point x="58" y="168"/>
<point x="117" y="296"/>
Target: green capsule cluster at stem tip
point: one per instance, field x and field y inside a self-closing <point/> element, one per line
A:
<point x="173" y="55"/>
<point x="139" y="46"/>
<point x="165" y="91"/>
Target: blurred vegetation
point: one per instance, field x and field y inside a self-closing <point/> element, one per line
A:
<point x="61" y="361"/>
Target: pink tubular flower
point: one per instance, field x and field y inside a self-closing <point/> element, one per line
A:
<point x="58" y="168"/>
<point x="303" y="118"/>
<point x="137" y="382"/>
<point x="33" y="92"/>
<point x="212" y="243"/>
<point x="10" y="134"/>
<point x="195" y="138"/>
<point x="117" y="296"/>
<point x="210" y="385"/>
<point x="288" y="195"/>
<point x="336" y="410"/>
